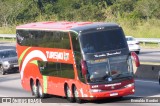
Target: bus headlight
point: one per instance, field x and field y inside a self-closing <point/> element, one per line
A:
<point x="129" y="85"/>
<point x="95" y="90"/>
<point x="6" y="65"/>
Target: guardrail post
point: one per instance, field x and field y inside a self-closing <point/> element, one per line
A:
<point x="144" y="44"/>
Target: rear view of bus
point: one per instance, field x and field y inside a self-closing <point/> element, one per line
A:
<point x="77" y="60"/>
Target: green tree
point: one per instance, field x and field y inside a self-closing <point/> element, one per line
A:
<point x="148" y="8"/>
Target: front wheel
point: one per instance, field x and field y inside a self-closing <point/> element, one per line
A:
<point x="34" y="89"/>
<point x="76" y="95"/>
<point x="40" y="91"/>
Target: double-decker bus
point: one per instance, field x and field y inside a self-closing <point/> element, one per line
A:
<point x="76" y="60"/>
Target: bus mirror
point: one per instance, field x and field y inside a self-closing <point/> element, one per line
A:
<point x="136" y="59"/>
<point x="83" y="67"/>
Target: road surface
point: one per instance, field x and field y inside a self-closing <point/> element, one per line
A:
<point x="10" y="86"/>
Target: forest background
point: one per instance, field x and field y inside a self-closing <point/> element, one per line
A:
<point x="139" y="18"/>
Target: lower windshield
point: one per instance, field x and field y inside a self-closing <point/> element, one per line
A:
<point x="109" y="69"/>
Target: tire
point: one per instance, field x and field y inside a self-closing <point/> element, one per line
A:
<point x="68" y="94"/>
<point x="2" y="72"/>
<point x="137" y="52"/>
<point x="34" y="90"/>
<point x="40" y="91"/>
<point x="76" y="95"/>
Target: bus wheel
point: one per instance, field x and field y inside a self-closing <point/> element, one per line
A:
<point x="76" y="95"/>
<point x="68" y="94"/>
<point x="40" y="91"/>
<point x="34" y="89"/>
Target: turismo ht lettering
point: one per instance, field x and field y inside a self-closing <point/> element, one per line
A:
<point x="57" y="55"/>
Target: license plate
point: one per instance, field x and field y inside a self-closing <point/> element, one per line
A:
<point x="114" y="94"/>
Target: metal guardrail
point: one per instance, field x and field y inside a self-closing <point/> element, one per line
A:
<point x="143" y="40"/>
<point x="148" y="40"/>
<point x="8" y="35"/>
<point x="4" y="36"/>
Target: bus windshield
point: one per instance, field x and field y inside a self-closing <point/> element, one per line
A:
<point x="101" y="41"/>
<point x="109" y="69"/>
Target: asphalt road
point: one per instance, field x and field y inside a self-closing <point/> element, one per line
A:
<point x="10" y="86"/>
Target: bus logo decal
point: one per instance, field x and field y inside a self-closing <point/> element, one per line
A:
<point x="31" y="55"/>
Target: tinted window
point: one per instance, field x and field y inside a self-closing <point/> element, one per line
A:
<point x="103" y="41"/>
<point x="56" y="69"/>
<point x="47" y="39"/>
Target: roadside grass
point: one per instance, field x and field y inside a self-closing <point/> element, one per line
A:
<point x="8" y="30"/>
<point x="141" y="29"/>
<point x="133" y="27"/>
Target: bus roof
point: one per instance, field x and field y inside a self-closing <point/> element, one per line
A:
<point x="77" y="26"/>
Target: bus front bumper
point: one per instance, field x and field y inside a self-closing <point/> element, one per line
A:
<point x="111" y="94"/>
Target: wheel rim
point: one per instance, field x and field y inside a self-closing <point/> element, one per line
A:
<point x="76" y="93"/>
<point x="34" y="88"/>
<point x="68" y="92"/>
<point x="40" y="91"/>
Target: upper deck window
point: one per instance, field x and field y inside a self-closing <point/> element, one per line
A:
<point x="101" y="41"/>
<point x="48" y="39"/>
